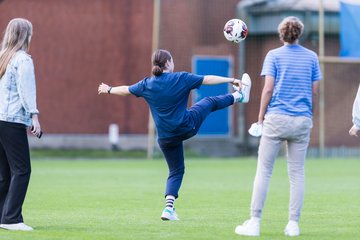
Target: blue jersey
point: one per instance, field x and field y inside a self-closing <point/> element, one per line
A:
<point x="167" y="96"/>
<point x="294" y="69"/>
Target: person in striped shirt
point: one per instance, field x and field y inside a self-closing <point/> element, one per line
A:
<point x="292" y="75"/>
<point x="355" y="129"/>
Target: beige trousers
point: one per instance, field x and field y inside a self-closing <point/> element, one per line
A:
<point x="295" y="131"/>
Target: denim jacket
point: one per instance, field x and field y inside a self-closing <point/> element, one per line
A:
<point x="18" y="90"/>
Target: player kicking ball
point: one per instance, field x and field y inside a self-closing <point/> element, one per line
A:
<point x="167" y="93"/>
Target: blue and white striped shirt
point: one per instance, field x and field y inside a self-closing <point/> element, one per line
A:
<point x="294" y="69"/>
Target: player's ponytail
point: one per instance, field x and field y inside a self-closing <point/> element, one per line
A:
<point x="157" y="70"/>
<point x="159" y="59"/>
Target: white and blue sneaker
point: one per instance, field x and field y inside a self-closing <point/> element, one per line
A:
<point x="245" y="89"/>
<point x="169" y="214"/>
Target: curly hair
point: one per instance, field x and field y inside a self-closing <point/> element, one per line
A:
<point x="290" y="29"/>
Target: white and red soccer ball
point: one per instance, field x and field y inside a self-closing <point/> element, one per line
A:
<point x="235" y="30"/>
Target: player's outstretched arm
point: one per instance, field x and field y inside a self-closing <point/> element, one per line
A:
<point x="212" y="80"/>
<point x="120" y="90"/>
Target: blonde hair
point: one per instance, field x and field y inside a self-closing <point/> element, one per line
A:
<point x="17" y="36"/>
<point x="290" y="29"/>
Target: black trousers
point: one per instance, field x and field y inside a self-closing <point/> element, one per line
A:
<point x="15" y="171"/>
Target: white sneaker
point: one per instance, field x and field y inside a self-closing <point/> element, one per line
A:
<point x="255" y="129"/>
<point x="169" y="215"/>
<point x="16" y="227"/>
<point x="292" y="229"/>
<point x="245" y="88"/>
<point x="250" y="227"/>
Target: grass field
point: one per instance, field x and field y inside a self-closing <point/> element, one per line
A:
<point x="123" y="199"/>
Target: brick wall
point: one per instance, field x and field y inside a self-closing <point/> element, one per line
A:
<point x="79" y="43"/>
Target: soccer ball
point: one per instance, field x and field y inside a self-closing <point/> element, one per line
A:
<point x="235" y="30"/>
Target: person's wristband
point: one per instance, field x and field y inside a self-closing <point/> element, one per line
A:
<point x="109" y="90"/>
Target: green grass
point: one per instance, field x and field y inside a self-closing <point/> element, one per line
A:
<point x="123" y="199"/>
<point x="98" y="154"/>
<point x="90" y="154"/>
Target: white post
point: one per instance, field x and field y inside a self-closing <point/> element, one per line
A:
<point x="114" y="136"/>
<point x="155" y="45"/>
